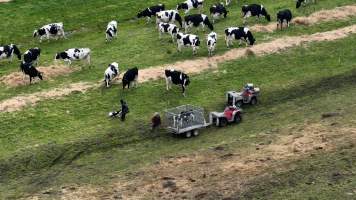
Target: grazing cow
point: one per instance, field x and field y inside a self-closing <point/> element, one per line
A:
<point x="211" y="42"/>
<point x="303" y="2"/>
<point x="254" y="10"/>
<point x="186" y="40"/>
<point x="168" y="16"/>
<point x="129" y="77"/>
<point x="238" y="33"/>
<point x="218" y="10"/>
<point x="50" y="30"/>
<point x="177" y="78"/>
<point x="31" y="71"/>
<point x="74" y="54"/>
<point x="196" y="20"/>
<point x="190" y="4"/>
<point x="8" y="51"/>
<point x="151" y="11"/>
<point x="111" y="30"/>
<point x="111" y="72"/>
<point x="171" y="29"/>
<point x="32" y="55"/>
<point x="284" y="15"/>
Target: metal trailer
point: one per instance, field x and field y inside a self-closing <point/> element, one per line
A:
<point x="185" y="120"/>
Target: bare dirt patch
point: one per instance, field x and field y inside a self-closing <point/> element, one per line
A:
<point x="216" y="174"/>
<point x="18" y="78"/>
<point x="18" y="102"/>
<point x="4" y="1"/>
<point x="338" y="13"/>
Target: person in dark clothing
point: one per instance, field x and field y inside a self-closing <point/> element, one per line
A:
<point x="156" y="121"/>
<point x="124" y="109"/>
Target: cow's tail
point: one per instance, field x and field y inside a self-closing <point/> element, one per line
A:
<point x="16" y="51"/>
<point x="207" y="22"/>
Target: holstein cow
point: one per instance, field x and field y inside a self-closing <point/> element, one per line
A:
<point x="151" y="11"/>
<point x="111" y="72"/>
<point x="168" y="16"/>
<point x="218" y="10"/>
<point x="50" y="30"/>
<point x="303" y="2"/>
<point x="129" y="77"/>
<point x="8" y="51"/>
<point x="186" y="40"/>
<point x="211" y="42"/>
<point x="111" y="30"/>
<point x="196" y="20"/>
<point x="32" y="56"/>
<point x="177" y="78"/>
<point x="284" y="15"/>
<point x="74" y="54"/>
<point x="238" y="33"/>
<point x="31" y="71"/>
<point x="171" y="29"/>
<point x="254" y="10"/>
<point x="190" y="4"/>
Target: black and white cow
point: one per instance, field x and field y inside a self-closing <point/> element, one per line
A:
<point x="190" y="4"/>
<point x="238" y="33"/>
<point x="255" y="10"/>
<point x="218" y="10"/>
<point x="195" y="20"/>
<point x="8" y="52"/>
<point x="111" y="30"/>
<point x="32" y="56"/>
<point x="129" y="77"/>
<point x="284" y="15"/>
<point x="111" y="72"/>
<point x="171" y="29"/>
<point x="31" y="71"/>
<point x="211" y="42"/>
<point x="177" y="78"/>
<point x="74" y="54"/>
<point x="151" y="11"/>
<point x="302" y="2"/>
<point x="168" y="16"/>
<point x="50" y="30"/>
<point x="188" y="40"/>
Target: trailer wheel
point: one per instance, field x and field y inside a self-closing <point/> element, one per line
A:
<point x="188" y="134"/>
<point x="195" y="132"/>
<point x="223" y="122"/>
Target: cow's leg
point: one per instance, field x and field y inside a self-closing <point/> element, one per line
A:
<point x="159" y="34"/>
<point x="136" y="81"/>
<point x="30" y="80"/>
<point x="183" y="89"/>
<point x="148" y="20"/>
<point x="88" y="59"/>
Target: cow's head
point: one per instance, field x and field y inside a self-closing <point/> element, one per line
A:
<point x="187" y="81"/>
<point x="40" y="75"/>
<point x="35" y="33"/>
<point x="140" y="14"/>
<point x="16" y="51"/>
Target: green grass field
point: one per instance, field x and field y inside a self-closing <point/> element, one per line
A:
<point x="71" y="141"/>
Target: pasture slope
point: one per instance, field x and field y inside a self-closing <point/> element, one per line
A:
<point x="298" y="143"/>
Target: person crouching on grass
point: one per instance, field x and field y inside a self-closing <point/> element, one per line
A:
<point x="122" y="113"/>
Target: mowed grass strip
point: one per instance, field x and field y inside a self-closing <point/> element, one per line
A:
<point x="137" y="45"/>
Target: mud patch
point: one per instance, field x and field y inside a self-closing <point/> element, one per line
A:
<point x="4" y="1"/>
<point x="18" y="102"/>
<point x="338" y="13"/>
<point x="18" y="78"/>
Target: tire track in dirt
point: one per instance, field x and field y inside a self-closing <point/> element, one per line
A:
<point x="195" y="66"/>
<point x="338" y="13"/>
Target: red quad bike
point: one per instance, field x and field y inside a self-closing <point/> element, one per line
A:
<point x="248" y="95"/>
<point x="231" y="114"/>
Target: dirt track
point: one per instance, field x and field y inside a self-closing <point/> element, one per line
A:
<point x="189" y="66"/>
